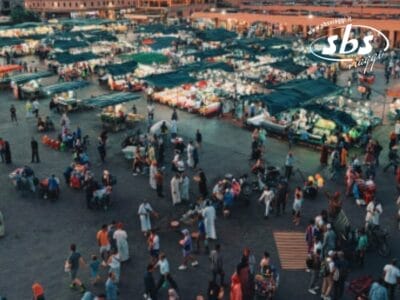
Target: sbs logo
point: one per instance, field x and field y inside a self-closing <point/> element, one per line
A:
<point x="346" y="47"/>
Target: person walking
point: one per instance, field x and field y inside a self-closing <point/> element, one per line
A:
<point x="111" y="287"/>
<point x="378" y="290"/>
<point x="315" y="271"/>
<point x="289" y="165"/>
<point x="103" y="242"/>
<point x="187" y="247"/>
<point x="74" y="261"/>
<point x="199" y="138"/>
<point x="267" y="196"/>
<point x="175" y="189"/>
<point x="190" y="159"/>
<point x="114" y="263"/>
<point x="327" y="270"/>
<point x="202" y="183"/>
<point x="121" y="238"/>
<point x="153" y="242"/>
<point x="152" y="175"/>
<point x="13" y="114"/>
<point x="149" y="284"/>
<point x="174" y="116"/>
<point x="101" y="147"/>
<point x="165" y="275"/>
<point x="145" y="210"/>
<point x="281" y="198"/>
<point x="297" y="204"/>
<point x="37" y="291"/>
<point x="391" y="277"/>
<point x="217" y="265"/>
<point x="184" y="188"/>
<point x="159" y="178"/>
<point x="35" y="108"/>
<point x="2" y="150"/>
<point x="35" y="151"/>
<point x="209" y="215"/>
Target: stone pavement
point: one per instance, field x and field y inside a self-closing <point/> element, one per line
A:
<point x="39" y="232"/>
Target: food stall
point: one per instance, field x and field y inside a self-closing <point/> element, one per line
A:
<point x="64" y="94"/>
<point x="17" y="81"/>
<point x="114" y="115"/>
<point x="72" y="66"/>
<point x="6" y="71"/>
<point x="119" y="76"/>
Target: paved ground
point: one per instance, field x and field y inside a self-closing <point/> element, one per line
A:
<point x="39" y="232"/>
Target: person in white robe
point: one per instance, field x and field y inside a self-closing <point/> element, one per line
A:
<point x="190" y="149"/>
<point x="144" y="213"/>
<point x="209" y="216"/>
<point x="152" y="175"/>
<point x="175" y="190"/>
<point x="121" y="238"/>
<point x="185" y="188"/>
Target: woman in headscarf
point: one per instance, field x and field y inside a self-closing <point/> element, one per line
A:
<point x="175" y="189"/>
<point x="121" y="238"/>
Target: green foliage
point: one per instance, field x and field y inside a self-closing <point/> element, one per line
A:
<point x="21" y="15"/>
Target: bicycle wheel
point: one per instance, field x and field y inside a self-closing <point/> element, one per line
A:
<point x="384" y="249"/>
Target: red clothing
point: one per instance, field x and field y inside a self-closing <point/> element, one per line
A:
<point x="236" y="288"/>
<point x="37" y="290"/>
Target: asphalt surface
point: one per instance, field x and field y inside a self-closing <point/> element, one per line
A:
<point x="38" y="232"/>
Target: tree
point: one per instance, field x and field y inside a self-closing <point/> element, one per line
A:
<point x="21" y="15"/>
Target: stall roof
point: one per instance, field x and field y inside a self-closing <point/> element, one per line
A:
<point x="22" y="25"/>
<point x="277" y="52"/>
<point x="122" y="69"/>
<point x="66" y="58"/>
<point x="158" y="28"/>
<point x="310" y="88"/>
<point x="209" y="53"/>
<point x="10" y="41"/>
<point x="170" y="79"/>
<point x="196" y="67"/>
<point x="64" y="87"/>
<point x="84" y="22"/>
<point x="110" y="99"/>
<point x="162" y="42"/>
<point x="289" y="66"/>
<point x="99" y="35"/>
<point x="68" y="44"/>
<point x="9" y="68"/>
<point x="23" y="78"/>
<point x="218" y="35"/>
<point x="146" y="58"/>
<point x="341" y="118"/>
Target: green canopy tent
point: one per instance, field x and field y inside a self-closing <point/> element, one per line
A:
<point x="209" y="53"/>
<point x="26" y="77"/>
<point x="170" y="79"/>
<point x="68" y="44"/>
<point x="197" y="67"/>
<point x="121" y="69"/>
<point x="64" y="87"/>
<point x="289" y="66"/>
<point x="111" y="99"/>
<point x="146" y="58"/>
<point x="311" y="88"/>
<point x="216" y="35"/>
<point x="341" y="118"/>
<point x="66" y="58"/>
<point x="162" y="42"/>
<point x="4" y="42"/>
<point x="99" y="36"/>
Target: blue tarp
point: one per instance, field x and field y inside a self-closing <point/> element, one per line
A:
<point x="196" y="67"/>
<point x="110" y="99"/>
<point x="310" y="88"/>
<point x="10" y="41"/>
<point x="66" y="58"/>
<point x="64" y="87"/>
<point x="209" y="53"/>
<point x="122" y="69"/>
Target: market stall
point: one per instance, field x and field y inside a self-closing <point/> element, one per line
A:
<point x="119" y="77"/>
<point x="73" y="66"/>
<point x="64" y="95"/>
<point x="114" y="115"/>
<point x="17" y="81"/>
<point x="6" y="71"/>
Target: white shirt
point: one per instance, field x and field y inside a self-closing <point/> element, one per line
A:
<point x="373" y="213"/>
<point x="156" y="242"/>
<point x="266" y="196"/>
<point x="397" y="128"/>
<point x="391" y="274"/>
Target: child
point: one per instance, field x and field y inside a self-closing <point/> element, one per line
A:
<point x="94" y="270"/>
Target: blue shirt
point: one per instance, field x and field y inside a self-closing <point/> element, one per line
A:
<point x="377" y="292"/>
<point x="111" y="290"/>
